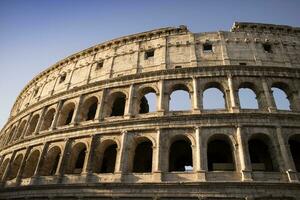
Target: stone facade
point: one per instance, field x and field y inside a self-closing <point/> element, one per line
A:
<point x="81" y="129"/>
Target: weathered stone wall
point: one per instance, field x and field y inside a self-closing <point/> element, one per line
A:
<point x="51" y="124"/>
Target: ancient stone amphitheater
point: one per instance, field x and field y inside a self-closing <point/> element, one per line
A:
<point x="82" y="129"/>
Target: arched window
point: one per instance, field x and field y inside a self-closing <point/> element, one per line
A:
<point x="142" y="161"/>
<point x="20" y="130"/>
<point x="247" y="97"/>
<point x="32" y="125"/>
<point x="89" y="108"/>
<point x="180" y="155"/>
<point x="50" y="163"/>
<point x="31" y="164"/>
<point x="77" y="159"/>
<point x="66" y="114"/>
<point x="213" y="97"/>
<point x="106" y="158"/>
<point x="260" y="154"/>
<point x="294" y="143"/>
<point x="147" y="102"/>
<point x="118" y="105"/>
<point x="3" y="167"/>
<point x="220" y="154"/>
<point x="180" y="98"/>
<point x="11" y="134"/>
<point x="48" y="119"/>
<point x="15" y="166"/>
<point x="281" y="99"/>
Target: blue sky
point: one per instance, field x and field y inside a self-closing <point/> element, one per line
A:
<point x="34" y="34"/>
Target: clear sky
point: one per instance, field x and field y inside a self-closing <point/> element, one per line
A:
<point x="34" y="34"/>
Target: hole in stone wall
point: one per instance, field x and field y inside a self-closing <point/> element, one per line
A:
<point x="207" y="47"/>
<point x="48" y="119"/>
<point x="219" y="156"/>
<point x="281" y="99"/>
<point x="247" y="98"/>
<point x="180" y="156"/>
<point x="180" y="98"/>
<point x="109" y="159"/>
<point x="99" y="65"/>
<point x="32" y="124"/>
<point x="62" y="78"/>
<point x="77" y="158"/>
<point x="20" y="129"/>
<point x="149" y="54"/>
<point x="143" y="157"/>
<point x="15" y="166"/>
<point x="118" y="107"/>
<point x="3" y="167"/>
<point x="51" y="161"/>
<point x="267" y="48"/>
<point x="294" y="143"/>
<point x="66" y="114"/>
<point x="148" y="101"/>
<point x="31" y="164"/>
<point x="260" y="156"/>
<point x="213" y="98"/>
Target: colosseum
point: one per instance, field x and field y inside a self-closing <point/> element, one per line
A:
<point x="83" y="128"/>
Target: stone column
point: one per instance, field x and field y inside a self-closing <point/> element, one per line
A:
<point x="41" y="159"/>
<point x="23" y="164"/>
<point x="136" y="67"/>
<point x="99" y="112"/>
<point x="121" y="156"/>
<point x="284" y="55"/>
<point x="157" y="172"/>
<point x="88" y="165"/>
<point x="111" y="71"/>
<point x="39" y="123"/>
<point x="129" y="101"/>
<point x="288" y="161"/>
<point x="193" y="56"/>
<point x="199" y="158"/>
<point x="161" y="98"/>
<point x="57" y="113"/>
<point x="196" y="107"/>
<point x="269" y="99"/>
<point x="75" y="117"/>
<point x="7" y="169"/>
<point x="68" y="84"/>
<point x="244" y="158"/>
<point x="64" y="158"/>
<point x="164" y="64"/>
<point x="234" y="107"/>
<point x="90" y="66"/>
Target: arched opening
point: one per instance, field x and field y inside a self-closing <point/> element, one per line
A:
<point x="31" y="164"/>
<point x="77" y="159"/>
<point x="3" y="167"/>
<point x="66" y="114"/>
<point x="15" y="166"/>
<point x="147" y="102"/>
<point x="51" y="161"/>
<point x="220" y="154"/>
<point x="48" y="119"/>
<point x="89" y="108"/>
<point x="142" y="161"/>
<point x="180" y="155"/>
<point x="281" y="98"/>
<point x="32" y="125"/>
<point x="294" y="143"/>
<point x="260" y="154"/>
<point x="20" y="130"/>
<point x="11" y="134"/>
<point x="118" y="105"/>
<point x="106" y="158"/>
<point x="247" y="97"/>
<point x="213" y="97"/>
<point x="180" y="98"/>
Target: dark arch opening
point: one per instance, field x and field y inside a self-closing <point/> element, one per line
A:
<point x="3" y="167"/>
<point x="294" y="143"/>
<point x="92" y="111"/>
<point x="51" y="161"/>
<point x="220" y="156"/>
<point x="147" y="102"/>
<point x="260" y="156"/>
<point x="143" y="157"/>
<point x="66" y="114"/>
<point x="15" y="167"/>
<point x="20" y="130"/>
<point x="48" y="119"/>
<point x="31" y="164"/>
<point x="180" y="156"/>
<point x="32" y="124"/>
<point x="89" y="108"/>
<point x="109" y="159"/>
<point x="118" y="106"/>
<point x="77" y="159"/>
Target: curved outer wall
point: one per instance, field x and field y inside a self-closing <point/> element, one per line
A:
<point x="63" y="118"/>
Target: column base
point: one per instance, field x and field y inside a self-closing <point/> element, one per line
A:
<point x="235" y="109"/>
<point x="157" y="176"/>
<point x="272" y="109"/>
<point x="201" y="175"/>
<point x="118" y="177"/>
<point x="246" y="175"/>
<point x="196" y="111"/>
<point x="292" y="176"/>
<point x="160" y="112"/>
